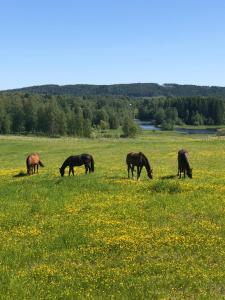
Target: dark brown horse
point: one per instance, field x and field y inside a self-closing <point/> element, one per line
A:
<point x="139" y="160"/>
<point x="33" y="162"/>
<point x="78" y="160"/>
<point x="183" y="164"/>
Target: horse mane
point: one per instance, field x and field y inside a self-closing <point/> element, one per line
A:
<point x="27" y="161"/>
<point x="146" y="162"/>
<point x="92" y="164"/>
<point x="41" y="164"/>
<point x="66" y="163"/>
<point x="186" y="161"/>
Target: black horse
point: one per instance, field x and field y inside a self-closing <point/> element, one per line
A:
<point x="139" y="160"/>
<point x="183" y="164"/>
<point x="78" y="160"/>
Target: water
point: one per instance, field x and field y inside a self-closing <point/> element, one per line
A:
<point x="148" y="126"/>
<point x="196" y="131"/>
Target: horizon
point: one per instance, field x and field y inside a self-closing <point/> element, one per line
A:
<point x="129" y="83"/>
<point x="101" y="43"/>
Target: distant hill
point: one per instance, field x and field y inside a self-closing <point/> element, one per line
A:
<point x="131" y="90"/>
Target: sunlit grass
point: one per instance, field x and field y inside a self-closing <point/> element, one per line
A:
<point x="103" y="236"/>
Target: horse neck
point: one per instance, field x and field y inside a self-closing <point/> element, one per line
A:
<point x="65" y="164"/>
<point x="146" y="163"/>
<point x="28" y="161"/>
<point x="187" y="166"/>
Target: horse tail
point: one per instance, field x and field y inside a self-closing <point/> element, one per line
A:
<point x="92" y="164"/>
<point x="40" y="164"/>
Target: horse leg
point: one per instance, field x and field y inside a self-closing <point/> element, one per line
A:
<point x="86" y="169"/>
<point x="140" y="168"/>
<point x="132" y="171"/>
<point x="37" y="168"/>
<point x="128" y="171"/>
<point x="138" y="172"/>
<point x="179" y="173"/>
<point x="72" y="171"/>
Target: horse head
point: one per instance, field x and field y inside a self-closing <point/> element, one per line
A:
<point x="29" y="171"/>
<point x="189" y="173"/>
<point x="62" y="171"/>
<point x="150" y="173"/>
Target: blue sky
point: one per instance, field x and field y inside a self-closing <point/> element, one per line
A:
<point x="111" y="41"/>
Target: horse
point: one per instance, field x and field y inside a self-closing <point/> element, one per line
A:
<point x="78" y="160"/>
<point x="183" y="164"/>
<point x="139" y="160"/>
<point x="33" y="162"/>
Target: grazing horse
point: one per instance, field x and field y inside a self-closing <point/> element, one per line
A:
<point x="183" y="164"/>
<point x="139" y="160"/>
<point x="78" y="160"/>
<point x="33" y="162"/>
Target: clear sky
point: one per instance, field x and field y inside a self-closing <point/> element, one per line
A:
<point x="111" y="41"/>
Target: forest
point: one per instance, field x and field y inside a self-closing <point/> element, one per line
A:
<point x="61" y="115"/>
<point x="130" y="90"/>
<point x="64" y="115"/>
<point x="170" y="111"/>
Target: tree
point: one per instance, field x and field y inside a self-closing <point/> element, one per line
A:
<point x="17" y="116"/>
<point x="101" y="114"/>
<point x="79" y="123"/>
<point x="30" y="115"/>
<point x="113" y="121"/>
<point x="160" y="116"/>
<point x="61" y="122"/>
<point x="197" y="119"/>
<point x="129" y="128"/>
<point x="171" y="115"/>
<point x="87" y="128"/>
<point x="71" y="124"/>
<point x="6" y="124"/>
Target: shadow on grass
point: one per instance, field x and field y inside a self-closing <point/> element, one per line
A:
<point x="117" y="178"/>
<point x="20" y="174"/>
<point x="169" y="177"/>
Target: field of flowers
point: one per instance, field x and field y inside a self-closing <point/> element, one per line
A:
<point x="104" y="236"/>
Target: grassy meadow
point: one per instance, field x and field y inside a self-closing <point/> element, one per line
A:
<point x="103" y="236"/>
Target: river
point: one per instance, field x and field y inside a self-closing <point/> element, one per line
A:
<point x="148" y="126"/>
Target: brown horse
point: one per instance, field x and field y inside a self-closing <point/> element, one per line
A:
<point x="78" y="160"/>
<point x="33" y="162"/>
<point x="183" y="164"/>
<point x="139" y="160"/>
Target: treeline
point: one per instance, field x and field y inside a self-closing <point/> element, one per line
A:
<point x="130" y="90"/>
<point x="62" y="115"/>
<point x="54" y="115"/>
<point x="183" y="110"/>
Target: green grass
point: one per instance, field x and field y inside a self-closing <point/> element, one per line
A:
<point x="104" y="236"/>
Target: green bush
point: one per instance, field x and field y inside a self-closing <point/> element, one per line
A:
<point x="165" y="186"/>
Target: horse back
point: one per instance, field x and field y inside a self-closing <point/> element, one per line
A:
<point x="86" y="157"/>
<point x="33" y="159"/>
<point x="79" y="160"/>
<point x="133" y="158"/>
